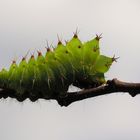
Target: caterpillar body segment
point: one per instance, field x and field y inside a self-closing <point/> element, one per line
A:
<point x="91" y="51"/>
<point x="49" y="75"/>
<point x="103" y="63"/>
<point x="3" y="78"/>
<point x="63" y="56"/>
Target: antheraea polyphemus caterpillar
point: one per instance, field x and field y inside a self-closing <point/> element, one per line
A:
<point x="77" y="63"/>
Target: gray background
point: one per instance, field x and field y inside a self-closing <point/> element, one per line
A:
<point x="26" y="24"/>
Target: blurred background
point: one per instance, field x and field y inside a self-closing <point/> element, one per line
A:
<point x="26" y="25"/>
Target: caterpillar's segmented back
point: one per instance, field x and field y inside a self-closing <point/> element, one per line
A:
<point x="77" y="63"/>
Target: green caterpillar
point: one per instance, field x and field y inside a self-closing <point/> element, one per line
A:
<point x="77" y="63"/>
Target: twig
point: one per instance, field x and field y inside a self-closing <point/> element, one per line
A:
<point x="110" y="87"/>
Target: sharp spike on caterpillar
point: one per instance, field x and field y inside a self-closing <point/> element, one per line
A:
<point x="48" y="49"/>
<point x="59" y="40"/>
<point x="32" y="56"/>
<point x="66" y="41"/>
<point x="39" y="53"/>
<point x="14" y="62"/>
<point x="98" y="37"/>
<point x="49" y="75"/>
<point x="26" y="54"/>
<point x="75" y="34"/>
<point x="48" y="46"/>
<point x="115" y="58"/>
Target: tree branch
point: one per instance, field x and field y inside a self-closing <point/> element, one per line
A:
<point x="110" y="87"/>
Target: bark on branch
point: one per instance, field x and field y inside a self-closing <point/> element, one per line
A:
<point x="110" y="87"/>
